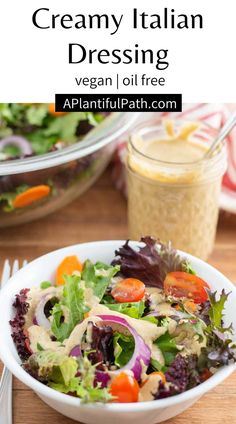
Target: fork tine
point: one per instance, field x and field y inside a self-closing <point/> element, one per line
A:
<point x="6" y="273"/>
<point x="15" y="267"/>
<point x="6" y="378"/>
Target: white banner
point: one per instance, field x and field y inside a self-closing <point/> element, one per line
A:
<point x="131" y="46"/>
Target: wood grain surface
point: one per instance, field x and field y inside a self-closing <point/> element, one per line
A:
<point x="101" y="214"/>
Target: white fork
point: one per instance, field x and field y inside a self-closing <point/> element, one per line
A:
<point x="6" y="379"/>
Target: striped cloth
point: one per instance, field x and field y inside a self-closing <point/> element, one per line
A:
<point x="214" y="115"/>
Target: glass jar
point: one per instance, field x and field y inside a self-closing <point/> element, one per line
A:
<point x="172" y="200"/>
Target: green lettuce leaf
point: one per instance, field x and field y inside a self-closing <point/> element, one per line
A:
<point x="132" y="309"/>
<point x="35" y="114"/>
<point x="45" y="284"/>
<point x="59" y="372"/>
<point x="51" y="365"/>
<point x="83" y="386"/>
<point x="151" y="319"/>
<point x="11" y="150"/>
<point x="156" y="365"/>
<point x="73" y="299"/>
<point x="123" y="348"/>
<point x="12" y="113"/>
<point x="65" y="126"/>
<point x="98" y="276"/>
<point x="217" y="308"/>
<point x="167" y="345"/>
<point x="187" y="267"/>
<point x="87" y="395"/>
<point x="40" y="142"/>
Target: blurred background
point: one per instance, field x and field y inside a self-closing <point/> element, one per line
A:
<point x="94" y="207"/>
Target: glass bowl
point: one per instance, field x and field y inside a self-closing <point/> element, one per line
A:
<point x="68" y="172"/>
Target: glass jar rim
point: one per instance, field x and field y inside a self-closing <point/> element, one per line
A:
<point x="219" y="154"/>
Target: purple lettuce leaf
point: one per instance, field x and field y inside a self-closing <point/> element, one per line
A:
<point x="203" y="312"/>
<point x="165" y="391"/>
<point x="101" y="345"/>
<point x="182" y="375"/>
<point x="219" y="351"/>
<point x="17" y="324"/>
<point x="150" y="263"/>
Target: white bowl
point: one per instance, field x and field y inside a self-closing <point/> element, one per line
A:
<point x="157" y="411"/>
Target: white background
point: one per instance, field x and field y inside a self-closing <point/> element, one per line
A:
<point x="34" y="63"/>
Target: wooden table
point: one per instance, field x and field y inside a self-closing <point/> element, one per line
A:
<point x="101" y="214"/>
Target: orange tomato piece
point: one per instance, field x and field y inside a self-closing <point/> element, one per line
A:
<point x="181" y="284"/>
<point x="31" y="195"/>
<point x="67" y="267"/>
<point x="124" y="388"/>
<point x="128" y="290"/>
<point x="52" y="111"/>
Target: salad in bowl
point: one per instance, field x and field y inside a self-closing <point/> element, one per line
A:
<point x="48" y="158"/>
<point x="29" y="129"/>
<point x="138" y="329"/>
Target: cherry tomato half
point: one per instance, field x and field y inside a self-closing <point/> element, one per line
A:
<point x="125" y="388"/>
<point x="128" y="290"/>
<point x="182" y="284"/>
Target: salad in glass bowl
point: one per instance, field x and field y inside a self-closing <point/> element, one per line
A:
<point x="49" y="158"/>
<point x="28" y="129"/>
<point x="142" y="328"/>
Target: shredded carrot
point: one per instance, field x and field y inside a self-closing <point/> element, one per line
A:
<point x="52" y="111"/>
<point x="31" y="195"/>
<point x="177" y="307"/>
<point x="69" y="265"/>
<point x="190" y="305"/>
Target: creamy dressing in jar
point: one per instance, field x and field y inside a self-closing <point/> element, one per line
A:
<point x="172" y="191"/>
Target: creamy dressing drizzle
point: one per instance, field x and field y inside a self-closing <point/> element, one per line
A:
<point x="33" y="298"/>
<point x="148" y="331"/>
<point x="187" y="342"/>
<point x="149" y="387"/>
<point x="40" y="336"/>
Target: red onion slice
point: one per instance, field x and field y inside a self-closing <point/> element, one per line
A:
<point x="40" y="317"/>
<point x="16" y="140"/>
<point x="142" y="354"/>
<point x="102" y="377"/>
<point x="76" y="351"/>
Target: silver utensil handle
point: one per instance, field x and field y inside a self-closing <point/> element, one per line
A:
<point x="229" y="125"/>
<point x="6" y="397"/>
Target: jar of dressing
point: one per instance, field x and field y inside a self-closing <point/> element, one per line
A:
<point x="173" y="192"/>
